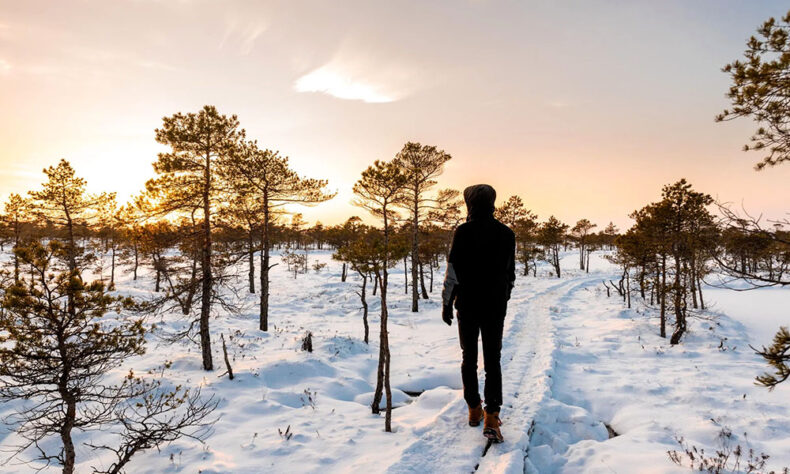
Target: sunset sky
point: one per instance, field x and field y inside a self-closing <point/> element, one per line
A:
<point x="584" y="108"/>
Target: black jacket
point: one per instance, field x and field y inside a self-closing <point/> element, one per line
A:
<point x="481" y="265"/>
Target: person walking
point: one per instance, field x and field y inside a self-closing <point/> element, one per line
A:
<point x="479" y="279"/>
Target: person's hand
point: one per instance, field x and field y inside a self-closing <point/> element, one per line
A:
<point x="447" y="314"/>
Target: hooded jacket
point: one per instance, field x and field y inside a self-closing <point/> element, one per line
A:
<point x="481" y="265"/>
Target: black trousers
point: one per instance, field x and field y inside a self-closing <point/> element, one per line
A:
<point x="472" y="324"/>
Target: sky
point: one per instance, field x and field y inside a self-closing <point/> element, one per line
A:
<point x="584" y="108"/>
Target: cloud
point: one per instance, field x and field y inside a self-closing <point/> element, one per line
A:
<point x="5" y="66"/>
<point x="242" y="36"/>
<point x="337" y="83"/>
<point x="352" y="75"/>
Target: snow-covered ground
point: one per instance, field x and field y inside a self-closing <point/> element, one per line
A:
<point x="574" y="361"/>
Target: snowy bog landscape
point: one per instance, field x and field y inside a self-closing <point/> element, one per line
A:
<point x="455" y="236"/>
<point x="588" y="384"/>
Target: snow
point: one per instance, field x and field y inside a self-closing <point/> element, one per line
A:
<point x="573" y="362"/>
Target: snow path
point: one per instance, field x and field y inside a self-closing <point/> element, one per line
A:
<point x="444" y="443"/>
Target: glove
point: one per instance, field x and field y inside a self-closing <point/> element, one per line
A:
<point x="447" y="314"/>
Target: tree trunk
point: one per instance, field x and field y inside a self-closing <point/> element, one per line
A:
<point x="364" y="305"/>
<point x="251" y="259"/>
<point x="556" y="261"/>
<point x="430" y="267"/>
<point x="16" y="259"/>
<point x="264" y="306"/>
<point x="207" y="281"/>
<point x="112" y="269"/>
<point x="70" y="402"/>
<point x="384" y="352"/>
<point x="663" y="295"/>
<point x="628" y="287"/>
<point x="69" y="455"/>
<point x="692" y="279"/>
<point x="642" y="274"/>
<point x="136" y="261"/>
<point x="193" y="285"/>
<point x="587" y="265"/>
<point x="422" y="282"/>
<point x="375" y="405"/>
<point x="158" y="278"/>
<point x="415" y="258"/>
<point x="343" y="273"/>
<point x="405" y="276"/>
<point x="72" y="247"/>
<point x="225" y="354"/>
<point x="680" y="316"/>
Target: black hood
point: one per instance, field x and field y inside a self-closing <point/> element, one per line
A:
<point x="479" y="200"/>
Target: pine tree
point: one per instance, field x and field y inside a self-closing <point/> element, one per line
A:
<point x="243" y="213"/>
<point x="64" y="202"/>
<point x="686" y="212"/>
<point x="552" y="236"/>
<point x="108" y="225"/>
<point x="269" y="179"/>
<point x="609" y="235"/>
<point x="672" y="240"/>
<point x="760" y="90"/>
<point x="581" y="232"/>
<point x="511" y="211"/>
<point x="527" y="250"/>
<point x="420" y="164"/>
<point x="365" y="254"/>
<point x="129" y="222"/>
<point x="341" y="235"/>
<point x="188" y="183"/>
<point x="16" y="218"/>
<point x="59" y="337"/>
<point x="378" y="191"/>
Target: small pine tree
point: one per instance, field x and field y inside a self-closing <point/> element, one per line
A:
<point x="267" y="178"/>
<point x="58" y="340"/>
<point x="63" y="201"/>
<point x="420" y="165"/>
<point x="581" y="232"/>
<point x="378" y="191"/>
<point x="552" y="237"/>
<point x="511" y="211"/>
<point x="16" y="219"/>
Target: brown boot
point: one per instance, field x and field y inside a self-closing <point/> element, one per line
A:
<point x="476" y="415"/>
<point x="491" y="427"/>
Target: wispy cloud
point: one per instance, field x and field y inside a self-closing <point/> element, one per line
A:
<point x="337" y="83"/>
<point x="352" y="75"/>
<point x="5" y="66"/>
<point x="242" y="35"/>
